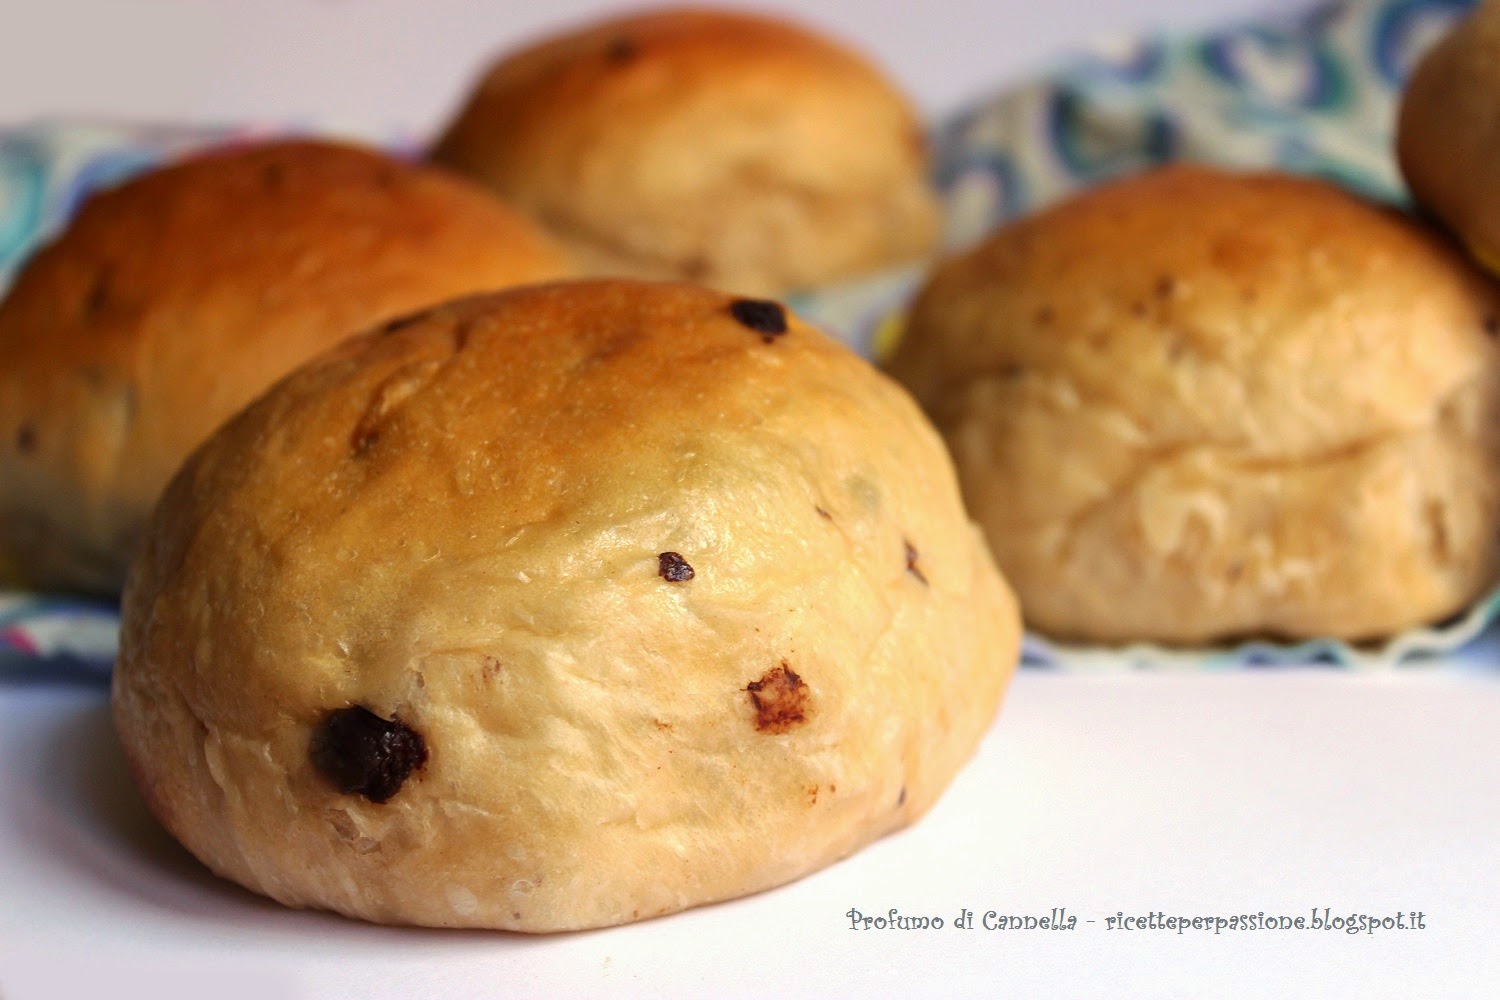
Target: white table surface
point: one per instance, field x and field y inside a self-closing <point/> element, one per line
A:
<point x="1194" y="794"/>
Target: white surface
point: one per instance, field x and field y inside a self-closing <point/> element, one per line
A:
<point x="370" y="65"/>
<point x="1197" y="794"/>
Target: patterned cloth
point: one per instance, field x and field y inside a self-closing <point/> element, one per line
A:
<point x="1314" y="94"/>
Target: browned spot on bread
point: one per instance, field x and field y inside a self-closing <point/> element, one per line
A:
<point x="1166" y="286"/>
<point x="388" y="395"/>
<point x="823" y="513"/>
<point x="1045" y="315"/>
<point x="489" y="668"/>
<point x="812" y="795"/>
<point x="402" y="322"/>
<point x="611" y="349"/>
<point x="1492" y="324"/>
<point x="1437" y="526"/>
<point x="780" y="700"/>
<point x="461" y="331"/>
<point x="361" y="753"/>
<point x="672" y="567"/>
<point x="912" y="555"/>
<point x="26" y="439"/>
<point x="99" y="291"/>
<point x="273" y="176"/>
<point x="901" y="799"/>
<point x="665" y="727"/>
<point x="916" y="140"/>
<point x="622" y="50"/>
<point x="366" y="433"/>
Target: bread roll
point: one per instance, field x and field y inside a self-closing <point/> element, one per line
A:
<point x="1195" y="405"/>
<point x="557" y="609"/>
<point x="706" y="146"/>
<point x="170" y="302"/>
<point x="1447" y="142"/>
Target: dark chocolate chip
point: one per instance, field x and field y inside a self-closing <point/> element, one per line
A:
<point x="363" y="754"/>
<point x="26" y="439"/>
<point x="780" y="700"/>
<point x="911" y="561"/>
<point x="673" y="567"/>
<point x="764" y="317"/>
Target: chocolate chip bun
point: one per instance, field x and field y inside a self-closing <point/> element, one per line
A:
<point x="556" y="609"/>
<point x="1196" y="405"/>
<point x="170" y="302"/>
<point x="706" y="146"/>
<point x="1447" y="142"/>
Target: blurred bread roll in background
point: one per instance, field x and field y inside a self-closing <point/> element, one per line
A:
<point x="704" y="145"/>
<point x="560" y="608"/>
<point x="1448" y="134"/>
<point x="1195" y="405"/>
<point x="171" y="301"/>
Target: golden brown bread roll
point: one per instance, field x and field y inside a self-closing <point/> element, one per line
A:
<point x="1195" y="405"/>
<point x="557" y="609"/>
<point x="1447" y="140"/>
<point x="171" y="301"/>
<point x="703" y="145"/>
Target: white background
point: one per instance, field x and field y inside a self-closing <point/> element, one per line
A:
<point x="1192" y="794"/>
<point x="1199" y="794"/>
<point x="369" y="65"/>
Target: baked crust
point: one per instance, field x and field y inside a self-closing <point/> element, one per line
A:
<point x="651" y="607"/>
<point x="707" y="146"/>
<point x="1196" y="405"/>
<point x="173" y="300"/>
<point x="1447" y="142"/>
